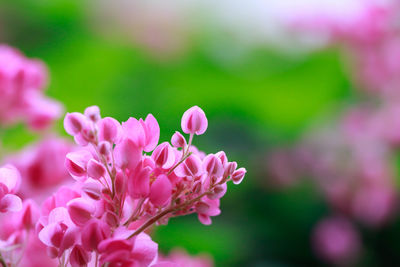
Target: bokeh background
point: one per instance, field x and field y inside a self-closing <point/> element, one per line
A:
<point x="261" y="86"/>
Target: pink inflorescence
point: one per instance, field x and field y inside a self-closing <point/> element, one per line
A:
<point x="125" y="183"/>
<point x="22" y="82"/>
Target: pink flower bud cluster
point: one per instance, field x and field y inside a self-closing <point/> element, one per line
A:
<point x="127" y="182"/>
<point x="22" y="81"/>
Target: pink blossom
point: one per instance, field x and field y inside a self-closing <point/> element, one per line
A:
<point x="194" y="121"/>
<point x="336" y="240"/>
<point x="22" y="81"/>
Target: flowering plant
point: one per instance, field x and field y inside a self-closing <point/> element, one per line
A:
<point x="120" y="183"/>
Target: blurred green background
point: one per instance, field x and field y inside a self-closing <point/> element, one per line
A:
<point x="255" y="99"/>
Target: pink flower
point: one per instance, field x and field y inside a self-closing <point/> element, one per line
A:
<point x="194" y="121"/>
<point x="336" y="240"/>
<point x="9" y="183"/>
<point x="22" y="81"/>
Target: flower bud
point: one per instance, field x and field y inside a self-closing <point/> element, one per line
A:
<point x="109" y="130"/>
<point x="164" y="155"/>
<point x="222" y="156"/>
<point x="79" y="257"/>
<point x="93" y="233"/>
<point x="213" y="166"/>
<point x="111" y="219"/>
<point x="104" y="148"/>
<point x="191" y="167"/>
<point x="229" y="169"/>
<point x="177" y="140"/>
<point x="238" y="175"/>
<point x="160" y="191"/>
<point x="120" y="183"/>
<point x="194" y="121"/>
<point x="93" y="113"/>
<point x="80" y="211"/>
<point x="218" y="192"/>
<point x="29" y="214"/>
<point x="74" y="122"/>
<point x="95" y="169"/>
<point x="92" y="189"/>
<point x="76" y="162"/>
<point x="202" y="207"/>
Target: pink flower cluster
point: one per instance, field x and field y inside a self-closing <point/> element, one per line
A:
<point x="125" y="183"/>
<point x="91" y="204"/>
<point x="22" y="81"/>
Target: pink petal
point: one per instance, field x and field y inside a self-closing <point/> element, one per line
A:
<point x="109" y="130"/>
<point x="152" y="131"/>
<point x="74" y="122"/>
<point x="204" y="219"/>
<point x="145" y="250"/>
<point x="95" y="169"/>
<point x="76" y="162"/>
<point x="10" y="177"/>
<point x="10" y="202"/>
<point x="80" y="210"/>
<point x="139" y="183"/>
<point x="160" y="191"/>
<point x="164" y="155"/>
<point x="194" y="121"/>
<point x="127" y="154"/>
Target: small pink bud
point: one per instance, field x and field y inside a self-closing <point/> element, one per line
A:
<point x="93" y="113"/>
<point x="204" y="219"/>
<point x="197" y="187"/>
<point x="104" y="148"/>
<point x="109" y="130"/>
<point x="10" y="202"/>
<point x="230" y="168"/>
<point x="178" y="140"/>
<point x="120" y="183"/>
<point x="87" y="134"/>
<point x="95" y="169"/>
<point x="213" y="166"/>
<point x="111" y="219"/>
<point x="164" y="155"/>
<point x="218" y="192"/>
<point x="74" y="122"/>
<point x="202" y="207"/>
<point x="127" y="154"/>
<point x="76" y="162"/>
<point x="29" y="215"/>
<point x="160" y="191"/>
<point x="222" y="156"/>
<point x="238" y="175"/>
<point x="79" y="257"/>
<point x="10" y="178"/>
<point x="80" y="210"/>
<point x="194" y="121"/>
<point x="92" y="190"/>
<point x="191" y="167"/>
<point x="93" y="233"/>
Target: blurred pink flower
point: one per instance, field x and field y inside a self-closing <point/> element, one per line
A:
<point x="336" y="240"/>
<point x="22" y="82"/>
